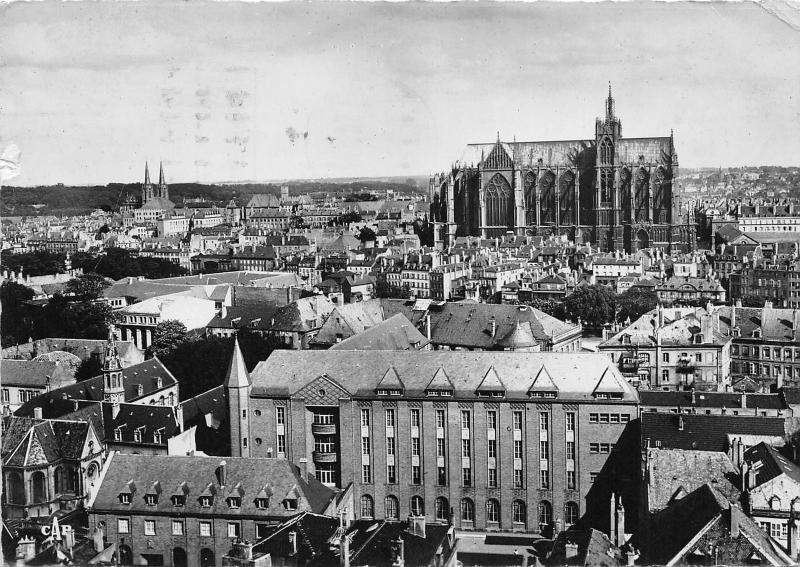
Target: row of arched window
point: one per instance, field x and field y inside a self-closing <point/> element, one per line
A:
<point x="519" y="512"/>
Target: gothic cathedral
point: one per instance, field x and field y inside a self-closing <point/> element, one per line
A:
<point x="610" y="191"/>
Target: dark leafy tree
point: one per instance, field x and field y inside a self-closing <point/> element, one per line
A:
<point x="87" y="287"/>
<point x="15" y="319"/>
<point x="168" y="336"/>
<point x="634" y="303"/>
<point x="593" y="305"/>
<point x="89" y="368"/>
<point x="366" y="235"/>
<point x="33" y="263"/>
<point x="550" y="306"/>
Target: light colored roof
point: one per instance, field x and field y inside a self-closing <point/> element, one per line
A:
<point x="395" y="333"/>
<point x="575" y="374"/>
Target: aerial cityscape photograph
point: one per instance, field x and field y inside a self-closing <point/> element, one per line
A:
<point x="400" y="284"/>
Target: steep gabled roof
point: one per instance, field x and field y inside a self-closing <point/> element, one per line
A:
<point x="491" y="382"/>
<point x="390" y="381"/>
<point x="237" y="376"/>
<point x="440" y="381"/>
<point x="609" y="383"/>
<point x="543" y="382"/>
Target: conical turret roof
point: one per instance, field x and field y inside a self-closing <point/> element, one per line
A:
<point x="237" y="377"/>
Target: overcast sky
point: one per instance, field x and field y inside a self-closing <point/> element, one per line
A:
<point x="227" y="91"/>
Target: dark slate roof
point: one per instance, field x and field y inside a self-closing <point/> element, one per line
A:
<point x="82" y="348"/>
<point x="145" y="374"/>
<point x="213" y="401"/>
<point x="417" y="550"/>
<point x="301" y="315"/>
<point x="59" y="439"/>
<point x="704" y="432"/>
<point x="278" y="478"/>
<point x="693" y="515"/>
<point x="594" y="548"/>
<point x="313" y="531"/>
<point x="658" y="398"/>
<point x="773" y="464"/>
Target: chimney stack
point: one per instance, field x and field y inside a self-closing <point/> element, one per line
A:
<point x="398" y="552"/>
<point x="222" y="472"/>
<point x="570" y="551"/>
<point x="37" y="413"/>
<point x="416" y="525"/>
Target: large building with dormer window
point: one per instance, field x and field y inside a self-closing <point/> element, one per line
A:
<point x="610" y="190"/>
<point x="494" y="440"/>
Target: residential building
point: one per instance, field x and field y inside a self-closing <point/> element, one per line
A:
<point x="23" y="380"/>
<point x="444" y="280"/>
<point x="138" y="321"/>
<point x="186" y="510"/>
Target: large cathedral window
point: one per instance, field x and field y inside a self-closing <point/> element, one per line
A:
<point x="499" y="202"/>
<point x="625" y="193"/>
<point x="606" y="152"/>
<point x="548" y="197"/>
<point x="606" y="186"/>
<point x="529" y="190"/>
<point x="642" y="194"/>
<point x="566" y="198"/>
<point x="659" y="190"/>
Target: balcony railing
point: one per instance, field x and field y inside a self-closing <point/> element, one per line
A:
<point x="323" y="457"/>
<point x="323" y="428"/>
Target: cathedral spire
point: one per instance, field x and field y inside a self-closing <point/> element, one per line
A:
<point x="160" y="173"/>
<point x="609" y="104"/>
<point x="146" y="174"/>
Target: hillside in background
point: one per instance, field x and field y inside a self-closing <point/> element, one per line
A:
<point x="74" y="200"/>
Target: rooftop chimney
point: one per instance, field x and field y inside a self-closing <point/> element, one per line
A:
<point x="570" y="551"/>
<point x="222" y="472"/>
<point x="37" y="413"/>
<point x="416" y="526"/>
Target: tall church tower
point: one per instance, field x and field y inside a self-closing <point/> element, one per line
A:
<point x="237" y="385"/>
<point x="147" y="187"/>
<point x="608" y="131"/>
<point x="163" y="190"/>
<point x="113" y="384"/>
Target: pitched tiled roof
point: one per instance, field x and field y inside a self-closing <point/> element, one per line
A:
<point x="58" y="439"/>
<point x="674" y="473"/>
<point x="705" y="432"/>
<point x="704" y="511"/>
<point x="417" y="549"/>
<point x="204" y="474"/>
<point x="395" y="333"/>
<point x="594" y="549"/>
<point x="33" y="373"/>
<point x="657" y="398"/>
<point x="360" y="372"/>
<point x="82" y="348"/>
<point x="772" y="464"/>
<point x="145" y="374"/>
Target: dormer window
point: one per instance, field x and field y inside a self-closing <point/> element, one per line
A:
<point x="158" y="436"/>
<point x="178" y="500"/>
<point x="737" y="332"/>
<point x="124" y="498"/>
<point x="205" y="501"/>
<point x="756" y="333"/>
<point x="490" y="393"/>
<point x="542" y="394"/>
<point x="442" y="393"/>
<point x="139" y="390"/>
<point x="137" y="434"/>
<point x="151" y="499"/>
<point x="159" y="382"/>
<point x="608" y="395"/>
<point x="290" y="504"/>
<point x="117" y="434"/>
<point x="234" y="502"/>
<point x="389" y="392"/>
<point x="626" y="339"/>
<point x="262" y="503"/>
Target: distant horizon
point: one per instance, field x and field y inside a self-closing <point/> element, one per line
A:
<point x="338" y="179"/>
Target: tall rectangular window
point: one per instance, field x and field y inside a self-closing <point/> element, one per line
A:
<point x="517" y="420"/>
<point x="389" y="418"/>
<point x="570" y="450"/>
<point x="365" y="445"/>
<point x="177" y="527"/>
<point x="440" y="421"/>
<point x="123" y="526"/>
<point x="491" y="420"/>
<point x="415" y="447"/>
<point x="544" y="450"/>
<point x="149" y="527"/>
<point x="544" y="479"/>
<point x="571" y="480"/>
<point x="441" y="476"/>
<point x="440" y="452"/>
<point x="517" y="449"/>
<point x="492" y="448"/>
<point x="544" y="421"/>
<point x="280" y="415"/>
<point x="466" y="449"/>
<point x="518" y="478"/>
<point x="491" y="479"/>
<point x="364" y="418"/>
<point x="415" y="418"/>
<point x="570" y="421"/>
<point x="416" y="474"/>
<point x="391" y="474"/>
<point x="366" y="474"/>
<point x="390" y="446"/>
<point x="465" y="419"/>
<point x="466" y="476"/>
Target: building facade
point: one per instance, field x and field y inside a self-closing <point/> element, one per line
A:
<point x="613" y="191"/>
<point x="497" y="441"/>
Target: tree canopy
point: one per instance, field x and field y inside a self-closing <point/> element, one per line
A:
<point x="167" y="337"/>
<point x="594" y="305"/>
<point x="87" y="287"/>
